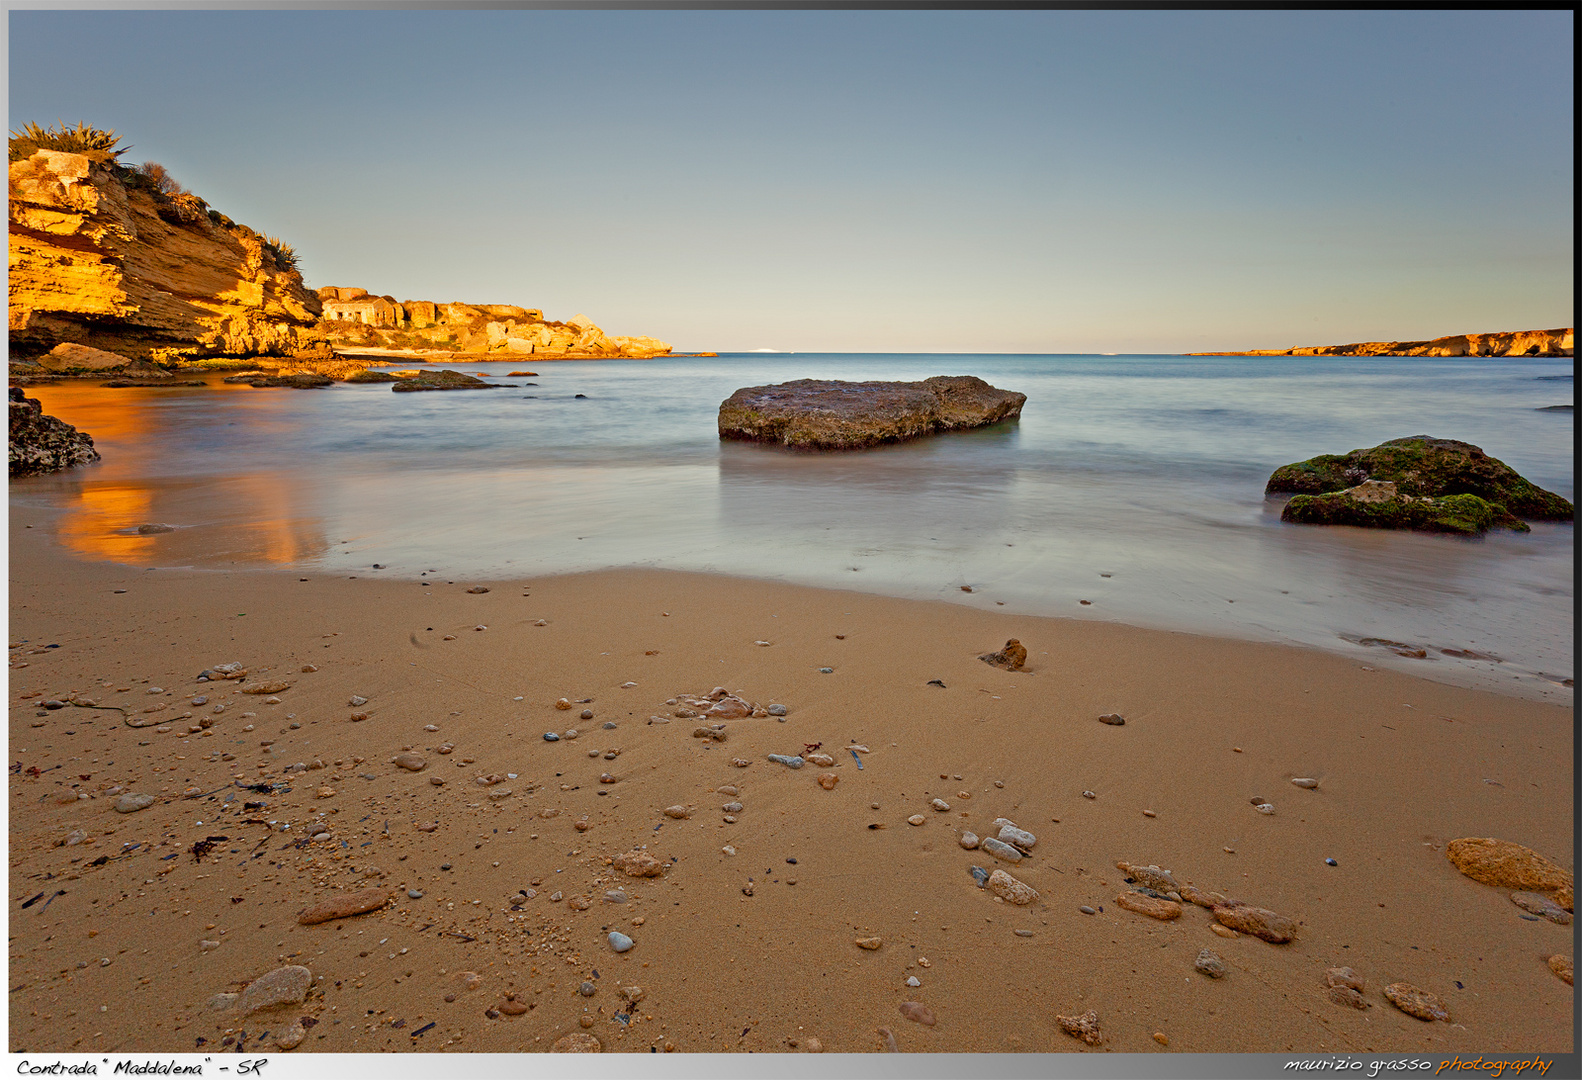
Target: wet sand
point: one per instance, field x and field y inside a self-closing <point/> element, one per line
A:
<point x="111" y="956"/>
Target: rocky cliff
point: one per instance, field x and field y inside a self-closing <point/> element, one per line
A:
<point x="100" y="259"/>
<point x="41" y="443"/>
<point x="353" y="319"/>
<point x="1500" y="343"/>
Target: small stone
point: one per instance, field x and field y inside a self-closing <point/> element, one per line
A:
<point x="1415" y="1002"/>
<point x="1086" y="910"/>
<point x="1144" y="904"/>
<point x="1511" y="866"/>
<point x="1208" y="963"/>
<point x="1089" y="795"/>
<point x="1000" y="850"/>
<point x="788" y="761"/>
<point x="732" y="808"/>
<point x="563" y="703"/>
<point x="918" y="1012"/>
<point x="291" y="1037"/>
<point x="677" y="812"/>
<point x="747" y="889"/>
<point x="969" y="840"/>
<point x="578" y="1042"/>
<point x="1264" y="808"/>
<point x="828" y="780"/>
<point x="638" y="864"/>
<point x="409" y="761"/>
<point x="1562" y="966"/>
<point x="1020" y="838"/>
<point x="823" y="761"/>
<point x="326" y="793"/>
<point x="282" y="986"/>
<point x="1259" y="922"/>
<point x="606" y="778"/>
<point x="913" y="980"/>
<point x="740" y="763"/>
<point x="1010" y="890"/>
<point x="869" y="943"/>
<point x="571" y="734"/>
<point x="208" y="946"/>
<point x="1011" y="657"/>
<point x="728" y="850"/>
<point x="512" y="1007"/>
<point x="1084" y="1027"/>
<point x="939" y="804"/>
<point x="437" y="781"/>
<point x="1223" y="931"/>
<point x="1198" y="896"/>
<point x="1344" y="976"/>
<point x="132" y="802"/>
<point x="1114" y="719"/>
<point x="1539" y="904"/>
<point x="777" y="710"/>
<point x="813" y="1046"/>
<point x="357" y="700"/>
<point x="632" y="994"/>
<point x="1305" y="782"/>
<point x="1345" y="995"/>
<point x="550" y="736"/>
<point x="586" y="714"/>
<point x="1023" y="933"/>
<point x="308" y="669"/>
<point x="619" y="941"/>
<point x="415" y="894"/>
<point x="587" y="989"/>
<point x="345" y="905"/>
<point x="916" y="819"/>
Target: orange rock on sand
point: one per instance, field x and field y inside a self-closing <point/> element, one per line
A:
<point x="342" y="906"/>
<point x="1563" y="967"/>
<point x="1257" y="921"/>
<point x="1084" y="1027"/>
<point x="578" y="1042"/>
<point x="1011" y="658"/>
<point x="1415" y="1002"/>
<point x="1511" y="866"/>
<point x="639" y="864"/>
<point x="1144" y="904"/>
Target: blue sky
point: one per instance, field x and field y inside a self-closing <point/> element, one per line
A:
<point x="1051" y="181"/>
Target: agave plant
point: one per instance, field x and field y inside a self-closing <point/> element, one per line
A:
<point x="82" y="139"/>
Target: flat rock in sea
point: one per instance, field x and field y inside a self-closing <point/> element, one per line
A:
<point x="1419" y="482"/>
<point x="439" y="379"/>
<point x="826" y="414"/>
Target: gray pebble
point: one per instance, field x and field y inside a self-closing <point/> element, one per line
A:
<point x="619" y="941"/>
<point x="132" y="802"/>
<point x="550" y="736"/>
<point x="912" y="980"/>
<point x="609" y="725"/>
<point x="200" y="700"/>
<point x="789" y="762"/>
<point x="980" y="875"/>
<point x="586" y="714"/>
<point x="1001" y="850"/>
<point x="615" y="896"/>
<point x="1087" y="910"/>
<point x="587" y="989"/>
<point x="826" y="670"/>
<point x="777" y="710"/>
<point x="1210" y="964"/>
<point x="1024" y="933"/>
<point x="415" y="894"/>
<point x="1113" y="719"/>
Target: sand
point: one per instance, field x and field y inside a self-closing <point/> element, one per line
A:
<point x="112" y="956"/>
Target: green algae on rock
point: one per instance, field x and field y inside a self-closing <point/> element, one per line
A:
<point x="1419" y="482"/>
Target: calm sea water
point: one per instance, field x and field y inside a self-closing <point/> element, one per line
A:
<point x="1133" y="482"/>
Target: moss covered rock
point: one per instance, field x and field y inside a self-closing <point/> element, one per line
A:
<point x="1379" y="504"/>
<point x="1421" y="466"/>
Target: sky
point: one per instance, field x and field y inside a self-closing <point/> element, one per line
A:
<point x="886" y="181"/>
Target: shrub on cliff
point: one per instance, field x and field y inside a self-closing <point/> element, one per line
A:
<point x="93" y="143"/>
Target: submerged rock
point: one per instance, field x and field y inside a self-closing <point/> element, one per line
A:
<point x="42" y="443"/>
<point x="439" y="379"/>
<point x="823" y="414"/>
<point x="1434" y="484"/>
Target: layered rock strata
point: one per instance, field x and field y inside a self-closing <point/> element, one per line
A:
<point x="1559" y="342"/>
<point x="823" y="414"/>
<point x="99" y="260"/>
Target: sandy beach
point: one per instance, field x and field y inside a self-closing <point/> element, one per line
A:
<point x="747" y="938"/>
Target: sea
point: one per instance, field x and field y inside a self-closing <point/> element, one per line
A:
<point x="1130" y="490"/>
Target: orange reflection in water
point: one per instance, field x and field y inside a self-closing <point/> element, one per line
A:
<point x="90" y="526"/>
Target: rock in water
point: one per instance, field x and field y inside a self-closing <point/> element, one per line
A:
<point x="282" y="986"/>
<point x="819" y="414"/>
<point x="1010" y="890"/>
<point x="1562" y="966"/>
<point x="1011" y="657"/>
<point x="1084" y="1027"/>
<point x="1414" y="1002"/>
<point x="1511" y="866"/>
<point x="1153" y="907"/>
<point x="428" y="379"/>
<point x="1418" y="482"/>
<point x="342" y="906"/>
<point x="43" y="444"/>
<point x="1259" y="922"/>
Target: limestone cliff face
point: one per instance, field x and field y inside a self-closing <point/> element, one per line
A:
<point x="99" y="262"/>
<point x="353" y="318"/>
<point x="1500" y="343"/>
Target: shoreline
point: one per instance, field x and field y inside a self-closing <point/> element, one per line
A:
<point x="1404" y="766"/>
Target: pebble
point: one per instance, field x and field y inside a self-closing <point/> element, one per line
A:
<point x="740" y="763"/>
<point x="1153" y="907"/>
<point x="980" y="875"/>
<point x="869" y="943"/>
<point x="615" y="896"/>
<point x="638" y="864"/>
<point x="609" y="725"/>
<point x="571" y="734"/>
<point x="1161" y="1038"/>
<point x="789" y="762"/>
<point x="913" y="980"/>
<point x="1010" y="834"/>
<point x="1086" y="910"/>
<point x="606" y="778"/>
<point x="585" y="714"/>
<point x="813" y="1046"/>
<point x="916" y="819"/>
<point x="291" y="1037"/>
<point x="969" y="840"/>
<point x="1000" y="850"/>
<point x="1089" y="795"/>
<point x="308" y="669"/>
<point x="578" y="1042"/>
<point x="1562" y="966"/>
<point x="208" y="946"/>
<point x="1415" y="1002"/>
<point x="777" y="710"/>
<point x="1010" y="890"/>
<point x="828" y="780"/>
<point x="1345" y="995"/>
<point x="677" y="812"/>
<point x="889" y="1040"/>
<point x="512" y="1007"/>
<point x="1539" y="904"/>
<point x="918" y="1012"/>
<point x="282" y="986"/>
<point x="619" y="941"/>
<point x="1330" y="862"/>
<point x="409" y="761"/>
<point x="1084" y="1027"/>
<point x="587" y="989"/>
<point x="823" y="761"/>
<point x="1257" y="921"/>
<point x="1223" y="931"/>
<point x="563" y="703"/>
<point x="1114" y="719"/>
<point x="732" y="808"/>
<point x="357" y="699"/>
<point x="1344" y="976"/>
<point x="132" y="802"/>
<point x="550" y="736"/>
<point x="415" y="894"/>
<point x="1208" y="963"/>
<point x="727" y="849"/>
<point x="430" y="727"/>
<point x="1023" y="933"/>
<point x="1264" y="808"/>
<point x="340" y="907"/>
<point x="1305" y="782"/>
<point x="826" y="671"/>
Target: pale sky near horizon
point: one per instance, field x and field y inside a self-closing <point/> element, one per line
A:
<point x="894" y="181"/>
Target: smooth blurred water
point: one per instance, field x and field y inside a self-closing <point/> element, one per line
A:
<point x="1133" y="482"/>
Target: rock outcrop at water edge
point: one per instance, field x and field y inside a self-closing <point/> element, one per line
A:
<point x="41" y="443"/>
<point x="1558" y="342"/>
<point x="826" y="414"/>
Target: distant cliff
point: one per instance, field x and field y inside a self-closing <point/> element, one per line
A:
<point x="102" y="256"/>
<point x="1500" y="343"/>
<point x="353" y="319"/>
